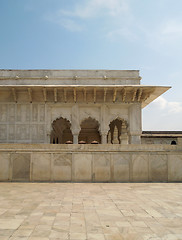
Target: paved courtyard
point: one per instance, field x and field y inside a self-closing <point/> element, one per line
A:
<point x="88" y="211"/>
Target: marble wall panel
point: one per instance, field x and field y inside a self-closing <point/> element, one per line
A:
<point x="16" y="121"/>
<point x="41" y="132"/>
<point x="18" y="113"/>
<point x="121" y="165"/>
<point x="11" y="116"/>
<point x="37" y="132"/>
<point x="41" y="113"/>
<point x="41" y="167"/>
<point x="82" y="167"/>
<point x="11" y="132"/>
<point x="140" y="168"/>
<point x="4" y="166"/>
<point x="20" y="166"/>
<point x="34" y="131"/>
<point x="116" y="110"/>
<point x="174" y="168"/>
<point x="62" y="164"/>
<point x="158" y="168"/>
<point x="34" y="112"/>
<point x="23" y="113"/>
<point x="22" y="132"/>
<point x="26" y="113"/>
<point x="102" y="168"/>
<point x="3" y="112"/>
<point x="3" y="132"/>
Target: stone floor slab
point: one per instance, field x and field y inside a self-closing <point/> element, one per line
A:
<point x="90" y="211"/>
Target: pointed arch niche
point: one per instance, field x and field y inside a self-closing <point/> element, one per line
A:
<point x="89" y="131"/>
<point x="118" y="132"/>
<point x="61" y="132"/>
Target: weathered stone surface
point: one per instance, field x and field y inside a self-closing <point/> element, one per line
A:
<point x="158" y="168"/>
<point x="101" y="167"/>
<point x="81" y="167"/>
<point x="62" y="164"/>
<point x="4" y="166"/>
<point x="175" y="168"/>
<point x="92" y="211"/>
<point x="20" y="166"/>
<point x="92" y="163"/>
<point x="121" y="164"/>
<point x="41" y="167"/>
<point x="140" y="167"/>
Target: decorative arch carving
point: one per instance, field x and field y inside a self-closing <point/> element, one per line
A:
<point x="61" y="132"/>
<point x="89" y="130"/>
<point x="118" y="131"/>
<point x="61" y="112"/>
<point x="89" y="113"/>
<point x="114" y="117"/>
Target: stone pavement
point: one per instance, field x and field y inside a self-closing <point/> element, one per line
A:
<point x="90" y="211"/>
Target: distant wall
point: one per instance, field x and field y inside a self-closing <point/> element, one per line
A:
<point x="90" y="163"/>
<point x="161" y="140"/>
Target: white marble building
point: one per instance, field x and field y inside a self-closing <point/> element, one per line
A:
<point x="39" y="107"/>
<point x="62" y="106"/>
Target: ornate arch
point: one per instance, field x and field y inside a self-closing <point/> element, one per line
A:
<point x="117" y="131"/>
<point x="61" y="131"/>
<point x="89" y="113"/>
<point x="114" y="117"/>
<point x="90" y="130"/>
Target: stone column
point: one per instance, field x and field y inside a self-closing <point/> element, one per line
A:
<point x="48" y="123"/>
<point x="75" y="126"/>
<point x="75" y="138"/>
<point x="103" y="126"/>
<point x="104" y="137"/>
<point x="135" y="128"/>
<point x="124" y="134"/>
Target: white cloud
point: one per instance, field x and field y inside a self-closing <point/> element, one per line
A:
<point x="160" y="102"/>
<point x="70" y="25"/>
<point x="96" y="8"/>
<point x="167" y="34"/>
<point x="162" y="115"/>
<point x="168" y="107"/>
<point x="64" y="22"/>
<point x="172" y="28"/>
<point x="73" y="20"/>
<point x="122" y="32"/>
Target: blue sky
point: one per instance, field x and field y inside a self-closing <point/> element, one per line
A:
<point x="101" y="34"/>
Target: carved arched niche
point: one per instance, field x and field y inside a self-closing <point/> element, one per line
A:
<point x="118" y="132"/>
<point x="61" y="132"/>
<point x="89" y="131"/>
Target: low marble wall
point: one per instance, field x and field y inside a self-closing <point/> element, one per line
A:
<point x="90" y="163"/>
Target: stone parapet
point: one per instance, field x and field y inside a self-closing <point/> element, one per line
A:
<point x="90" y="163"/>
<point x="90" y="147"/>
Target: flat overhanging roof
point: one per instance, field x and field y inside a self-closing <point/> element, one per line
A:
<point x="143" y="93"/>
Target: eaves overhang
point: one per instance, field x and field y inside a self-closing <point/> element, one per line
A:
<point x="141" y="93"/>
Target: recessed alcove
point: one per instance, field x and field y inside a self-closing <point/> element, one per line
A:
<point x="89" y="131"/>
<point x="61" y="132"/>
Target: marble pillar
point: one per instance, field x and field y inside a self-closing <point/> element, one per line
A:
<point x="135" y="124"/>
<point x="104" y="138"/>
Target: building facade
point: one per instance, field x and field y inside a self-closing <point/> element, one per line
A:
<point x="44" y="114"/>
<point x="62" y="106"/>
